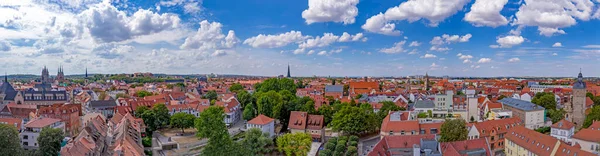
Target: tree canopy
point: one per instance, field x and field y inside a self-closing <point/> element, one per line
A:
<point x="49" y="141"/>
<point x="211" y="125"/>
<point x="294" y="143"/>
<point x="454" y="130"/>
<point x="162" y="115"/>
<point x="593" y="116"/>
<point x="354" y="120"/>
<point x="142" y="93"/>
<point x="10" y="144"/>
<point x="210" y="95"/>
<point x="182" y="120"/>
<point x="556" y="114"/>
<point x="236" y="87"/>
<point x="545" y="100"/>
<point x="276" y="84"/>
<point x="268" y="103"/>
<point x="257" y="141"/>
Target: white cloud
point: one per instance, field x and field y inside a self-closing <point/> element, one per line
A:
<point x="310" y="52"/>
<point x="397" y="48"/>
<point x="508" y="41"/>
<point x="557" y="44"/>
<point x="554" y="54"/>
<point x="591" y="46"/>
<point x="192" y="8"/>
<point x="448" y="39"/>
<point x="275" y="41"/>
<point x="428" y="56"/>
<point x="210" y="39"/>
<point x="551" y="15"/>
<point x="433" y="65"/>
<point x="414" y="44"/>
<point x="322" y="53"/>
<point x="342" y="11"/>
<point x="347" y="37"/>
<point x="319" y="41"/>
<point x="465" y="58"/>
<point x="435" y="48"/>
<point x="466" y="61"/>
<point x="514" y="59"/>
<point x="484" y="60"/>
<point x="487" y="13"/>
<point x="414" y="51"/>
<point x="475" y="66"/>
<point x="378" y="24"/>
<point x="189" y="6"/>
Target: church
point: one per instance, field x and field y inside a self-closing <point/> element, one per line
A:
<point x="41" y="94"/>
<point x="576" y="108"/>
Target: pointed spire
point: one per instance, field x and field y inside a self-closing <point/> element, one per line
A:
<point x="5" y="77"/>
<point x="288" y="71"/>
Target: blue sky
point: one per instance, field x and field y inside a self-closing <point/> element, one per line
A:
<point x="316" y="37"/>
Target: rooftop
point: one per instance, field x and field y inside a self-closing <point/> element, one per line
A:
<point x="520" y="104"/>
<point x="41" y="122"/>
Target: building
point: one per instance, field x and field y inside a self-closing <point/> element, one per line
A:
<point x="396" y="123"/>
<point x="60" y="77"/>
<point x="232" y="109"/>
<point x="32" y="130"/>
<point x="443" y="102"/>
<point x="523" y="141"/>
<point x="493" y="131"/>
<point x="264" y="123"/>
<point x="93" y="139"/>
<point x="45" y="76"/>
<point x="363" y="88"/>
<point x="563" y="130"/>
<point x="68" y="113"/>
<point x="428" y="145"/>
<point x="160" y="143"/>
<point x="105" y="107"/>
<point x="16" y="122"/>
<point x="335" y="91"/>
<point x="127" y="137"/>
<point x="531" y="115"/>
<point x="302" y="122"/>
<point x="576" y="109"/>
<point x="589" y="138"/>
<point x="288" y="72"/>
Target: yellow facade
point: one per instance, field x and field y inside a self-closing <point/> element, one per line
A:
<point x="513" y="149"/>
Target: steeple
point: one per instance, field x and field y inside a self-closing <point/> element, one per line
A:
<point x="86" y="75"/>
<point x="5" y="77"/>
<point x="288" y="71"/>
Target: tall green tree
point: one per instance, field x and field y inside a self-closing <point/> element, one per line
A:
<point x="49" y="141"/>
<point x="162" y="115"/>
<point x="590" y="118"/>
<point x="327" y="112"/>
<point x="244" y="97"/>
<point x="545" y="100"/>
<point x="139" y="110"/>
<point x="236" y="87"/>
<point x="270" y="104"/>
<point x="182" y="120"/>
<point x="351" y="120"/>
<point x="210" y="125"/>
<point x="556" y="114"/>
<point x="149" y="118"/>
<point x="309" y="107"/>
<point x="294" y="143"/>
<point x="211" y="95"/>
<point x="275" y="84"/>
<point x="10" y="144"/>
<point x="142" y="93"/>
<point x="249" y="112"/>
<point x="257" y="141"/>
<point x="454" y="130"/>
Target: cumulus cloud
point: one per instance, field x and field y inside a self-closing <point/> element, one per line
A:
<point x="551" y="15"/>
<point x="433" y="65"/>
<point x="397" y="48"/>
<point x="210" y="39"/>
<point x="111" y="51"/>
<point x="435" y="11"/>
<point x="484" y="60"/>
<point x="487" y="13"/>
<point x="108" y="24"/>
<point x="465" y="58"/>
<point x="189" y="6"/>
<point x="508" y="41"/>
<point x="328" y="39"/>
<point x="347" y="37"/>
<point x="514" y="59"/>
<point x="557" y="44"/>
<point x="438" y="41"/>
<point x="275" y="41"/>
<point x="414" y="44"/>
<point x="428" y="56"/>
<point x="342" y="11"/>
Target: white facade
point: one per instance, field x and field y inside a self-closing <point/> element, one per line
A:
<point x="444" y="101"/>
<point x="534" y="119"/>
<point x="473" y="133"/>
<point x="29" y="136"/>
<point x="266" y="128"/>
<point x="232" y="116"/>
<point x="593" y="147"/>
<point x="563" y="134"/>
<point x="473" y="110"/>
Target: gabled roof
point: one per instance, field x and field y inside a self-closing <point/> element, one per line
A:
<point x="334" y="88"/>
<point x="261" y="120"/>
<point x="563" y="124"/>
<point x="297" y="120"/>
<point x="591" y="133"/>
<point x="41" y="122"/>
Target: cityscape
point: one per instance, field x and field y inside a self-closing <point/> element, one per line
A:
<point x="300" y="78"/>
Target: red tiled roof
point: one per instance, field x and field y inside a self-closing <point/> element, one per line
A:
<point x="42" y="122"/>
<point x="12" y="121"/>
<point x="497" y="126"/>
<point x="591" y="133"/>
<point x="567" y="150"/>
<point x="297" y="120"/>
<point x="395" y="142"/>
<point x="588" y="102"/>
<point x="261" y="120"/>
<point x="537" y="143"/>
<point x="563" y="124"/>
<point x="315" y="122"/>
<point x="453" y="148"/>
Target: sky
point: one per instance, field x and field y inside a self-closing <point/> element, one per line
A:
<point x="480" y="38"/>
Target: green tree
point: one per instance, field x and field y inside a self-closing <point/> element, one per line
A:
<point x="275" y="84"/>
<point x="244" y="97"/>
<point x="210" y="125"/>
<point x="545" y="100"/>
<point x="453" y="130"/>
<point x="236" y="87"/>
<point x="182" y="120"/>
<point x="140" y="110"/>
<point x="352" y="151"/>
<point x="556" y="114"/>
<point x="257" y="141"/>
<point x="327" y="113"/>
<point x="294" y="143"/>
<point x="248" y="113"/>
<point x="162" y="115"/>
<point x="590" y="118"/>
<point x="350" y="120"/>
<point x="309" y="107"/>
<point x="386" y="107"/>
<point x="49" y="141"/>
<point x="422" y="115"/>
<point x="211" y="95"/>
<point x="270" y="104"/>
<point x="10" y="144"/>
<point x="149" y="118"/>
<point x="142" y="93"/>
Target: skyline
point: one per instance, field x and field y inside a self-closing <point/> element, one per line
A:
<point x="325" y="38"/>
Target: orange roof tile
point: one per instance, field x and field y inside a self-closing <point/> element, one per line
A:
<point x="297" y="120"/>
<point x="41" y="122"/>
<point x="261" y="120"/>
<point x="537" y="143"/>
<point x="563" y="124"/>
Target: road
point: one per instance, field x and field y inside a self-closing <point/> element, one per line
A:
<point x="367" y="144"/>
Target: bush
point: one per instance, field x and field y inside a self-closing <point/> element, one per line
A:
<point x="352" y="150"/>
<point x="147" y="142"/>
<point x="353" y="143"/>
<point x="325" y="152"/>
<point x="340" y="149"/>
<point x="337" y="153"/>
<point x="341" y="142"/>
<point x="333" y="140"/>
<point x="330" y="146"/>
<point x="354" y="138"/>
<point x="345" y="138"/>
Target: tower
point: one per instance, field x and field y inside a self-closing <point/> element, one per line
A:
<point x="426" y="81"/>
<point x="60" y="77"/>
<point x="45" y="75"/>
<point x="86" y="75"/>
<point x="578" y="101"/>
<point x="288" y="72"/>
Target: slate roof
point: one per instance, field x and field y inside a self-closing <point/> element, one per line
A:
<point x="9" y="90"/>
<point x="334" y="88"/>
<point x="520" y="104"/>
<point x="103" y="103"/>
<point x="424" y="104"/>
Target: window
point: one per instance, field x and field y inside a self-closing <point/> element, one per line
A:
<point x="25" y="137"/>
<point x="492" y="138"/>
<point x="433" y="131"/>
<point x="391" y="132"/>
<point x="422" y="131"/>
<point x="412" y="133"/>
<point x="26" y="143"/>
<point x="402" y="132"/>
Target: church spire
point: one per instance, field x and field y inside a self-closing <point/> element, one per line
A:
<point x="288" y="71"/>
<point x="86" y="75"/>
<point x="5" y="77"/>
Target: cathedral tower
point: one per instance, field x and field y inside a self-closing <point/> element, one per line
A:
<point x="578" y="101"/>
